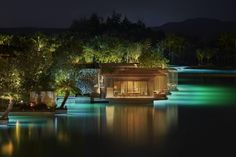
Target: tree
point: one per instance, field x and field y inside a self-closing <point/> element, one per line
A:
<point x="104" y="49"/>
<point x="133" y="51"/>
<point x="174" y="45"/>
<point x="34" y="59"/>
<point x="65" y="83"/>
<point x="88" y="27"/>
<point x="9" y="83"/>
<point x="200" y="54"/>
<point x="64" y="70"/>
<point x="209" y="54"/>
<point x="152" y="57"/>
<point x="114" y="22"/>
<point x="227" y="48"/>
<point x="5" y="39"/>
<point x="10" y="80"/>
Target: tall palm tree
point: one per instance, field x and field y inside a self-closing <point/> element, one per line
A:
<point x="66" y="86"/>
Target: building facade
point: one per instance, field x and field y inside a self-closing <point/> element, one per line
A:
<point x="128" y="83"/>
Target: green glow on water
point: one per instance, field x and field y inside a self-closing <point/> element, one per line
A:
<point x="199" y="95"/>
<point x="185" y="69"/>
<point x="201" y="88"/>
<point x="83" y="109"/>
<point x="25" y="121"/>
<point x="188" y="95"/>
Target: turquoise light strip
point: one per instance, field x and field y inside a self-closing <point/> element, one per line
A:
<point x="198" y="95"/>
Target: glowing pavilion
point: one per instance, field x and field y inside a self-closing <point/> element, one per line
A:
<point x="128" y="83"/>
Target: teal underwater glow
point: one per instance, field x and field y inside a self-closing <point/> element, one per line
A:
<point x="27" y="120"/>
<point x="185" y="69"/>
<point x="83" y="109"/>
<point x="199" y="95"/>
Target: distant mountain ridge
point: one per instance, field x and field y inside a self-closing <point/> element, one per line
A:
<point x="31" y="30"/>
<point x="199" y="27"/>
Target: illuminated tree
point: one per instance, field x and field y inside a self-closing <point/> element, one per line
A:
<point x="174" y="45"/>
<point x="10" y="80"/>
<point x="204" y="55"/>
<point x="5" y="39"/>
<point x="200" y="54"/>
<point x="152" y="57"/>
<point x="10" y="83"/>
<point x="133" y="52"/>
<point x="66" y="83"/>
<point x="34" y="60"/>
<point x="64" y="69"/>
<point x="103" y="49"/>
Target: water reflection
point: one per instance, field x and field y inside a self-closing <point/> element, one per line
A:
<point x="22" y="129"/>
<point x="140" y="124"/>
<point x="7" y="149"/>
<point x="127" y="124"/>
<point x="6" y="143"/>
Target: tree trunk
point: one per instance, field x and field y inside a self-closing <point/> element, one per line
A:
<point x="67" y="93"/>
<point x="9" y="108"/>
<point x="39" y="97"/>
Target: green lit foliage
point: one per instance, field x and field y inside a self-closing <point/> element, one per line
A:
<point x="5" y="39"/>
<point x="227" y="48"/>
<point x="133" y="52"/>
<point x="103" y="49"/>
<point x="106" y="49"/>
<point x="205" y="55"/>
<point x="200" y="54"/>
<point x="70" y="50"/>
<point x="65" y="81"/>
<point x="34" y="59"/>
<point x="10" y="80"/>
<point x="114" y="50"/>
<point x="174" y="45"/>
<point x="64" y="70"/>
<point x="152" y="57"/>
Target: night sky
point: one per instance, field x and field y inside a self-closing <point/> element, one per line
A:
<point x="60" y="13"/>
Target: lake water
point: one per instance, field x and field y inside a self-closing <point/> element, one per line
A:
<point x="197" y="120"/>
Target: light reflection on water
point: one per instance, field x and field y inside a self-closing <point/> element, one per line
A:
<point x="129" y="124"/>
<point x="138" y="125"/>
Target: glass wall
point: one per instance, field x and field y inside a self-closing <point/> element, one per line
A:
<point x="130" y="88"/>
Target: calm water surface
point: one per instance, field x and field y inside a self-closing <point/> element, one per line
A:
<point x="197" y="120"/>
